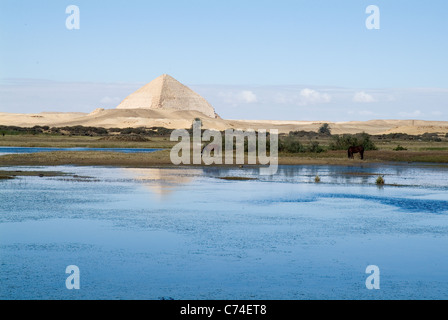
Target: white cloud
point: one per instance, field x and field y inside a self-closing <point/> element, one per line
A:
<point x="363" y="97"/>
<point x="310" y="96"/>
<point x="304" y="97"/>
<point x="235" y="98"/>
<point x="248" y="96"/>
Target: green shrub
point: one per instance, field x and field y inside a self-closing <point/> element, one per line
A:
<point x="290" y="145"/>
<point x="380" y="180"/>
<point x="315" y="147"/>
<point x="400" y="148"/>
<point x="159" y="131"/>
<point x="325" y="129"/>
<point x="304" y="134"/>
<point x="139" y="130"/>
<point x="14" y="130"/>
<point x="343" y="142"/>
<point x="430" y="137"/>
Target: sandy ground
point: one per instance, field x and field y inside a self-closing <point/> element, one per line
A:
<point x="109" y="118"/>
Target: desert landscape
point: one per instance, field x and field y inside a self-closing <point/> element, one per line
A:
<point x="164" y="102"/>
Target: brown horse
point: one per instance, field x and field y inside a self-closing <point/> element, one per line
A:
<point x="353" y="150"/>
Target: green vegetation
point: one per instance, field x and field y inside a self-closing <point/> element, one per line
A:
<point x="343" y="142"/>
<point x="126" y="138"/>
<point x="427" y="137"/>
<point x="297" y="147"/>
<point x="380" y="180"/>
<point x="66" y="141"/>
<point x="314" y="147"/>
<point x="400" y="148"/>
<point x="431" y="137"/>
<point x="14" y="130"/>
<point x="325" y="129"/>
<point x="290" y="144"/>
<point x="307" y="134"/>
<point x="84" y="131"/>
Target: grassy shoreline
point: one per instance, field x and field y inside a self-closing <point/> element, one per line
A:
<point x="416" y="153"/>
<point x="162" y="159"/>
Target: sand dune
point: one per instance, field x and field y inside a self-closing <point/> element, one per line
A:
<point x="123" y="118"/>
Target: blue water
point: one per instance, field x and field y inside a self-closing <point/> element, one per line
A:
<point x="185" y="234"/>
<point x="12" y="150"/>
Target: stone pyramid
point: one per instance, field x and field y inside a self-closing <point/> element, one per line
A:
<point x="166" y="93"/>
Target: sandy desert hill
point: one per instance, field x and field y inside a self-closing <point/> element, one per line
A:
<point x="165" y="102"/>
<point x="174" y="119"/>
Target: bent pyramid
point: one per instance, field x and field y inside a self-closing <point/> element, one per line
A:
<point x="165" y="92"/>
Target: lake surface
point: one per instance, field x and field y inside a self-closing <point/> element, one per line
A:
<point x="185" y="234"/>
<point x="15" y="150"/>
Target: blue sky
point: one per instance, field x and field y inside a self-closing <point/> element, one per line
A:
<point x="302" y="58"/>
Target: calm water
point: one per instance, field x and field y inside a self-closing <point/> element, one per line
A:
<point x="185" y="234"/>
<point x="11" y="150"/>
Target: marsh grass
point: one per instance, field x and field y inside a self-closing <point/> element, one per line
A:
<point x="400" y="148"/>
<point x="418" y="151"/>
<point x="380" y="181"/>
<point x="83" y="142"/>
